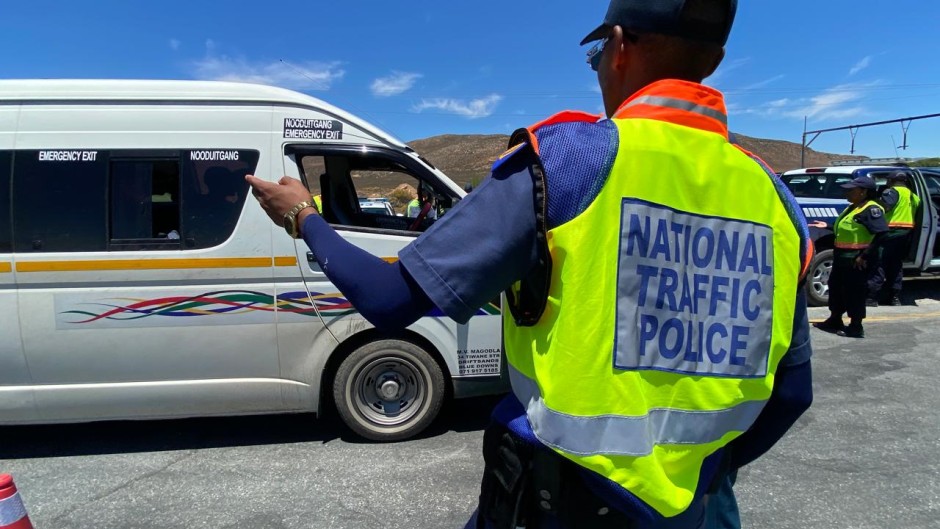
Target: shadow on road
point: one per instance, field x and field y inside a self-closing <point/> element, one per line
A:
<point x="60" y="440"/>
<point x="64" y="440"/>
<point x="922" y="290"/>
<point x="463" y="415"/>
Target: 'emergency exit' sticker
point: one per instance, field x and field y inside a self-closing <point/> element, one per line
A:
<point x="313" y="129"/>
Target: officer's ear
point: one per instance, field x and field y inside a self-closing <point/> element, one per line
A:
<point x="619" y="55"/>
<point x="718" y="58"/>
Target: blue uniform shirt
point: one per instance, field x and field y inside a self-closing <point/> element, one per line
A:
<point x="494" y="229"/>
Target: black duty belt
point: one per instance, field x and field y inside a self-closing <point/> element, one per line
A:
<point x="524" y="485"/>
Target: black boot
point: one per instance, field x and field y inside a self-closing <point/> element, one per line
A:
<point x="854" y="330"/>
<point x="895" y="300"/>
<point x="832" y="324"/>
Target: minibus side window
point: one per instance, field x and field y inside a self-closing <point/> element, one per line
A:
<point x="6" y="235"/>
<point x="213" y="190"/>
<point x="393" y="185"/>
<point x="368" y="190"/>
<point x="313" y="166"/>
<point x="145" y="204"/>
<point x="61" y="201"/>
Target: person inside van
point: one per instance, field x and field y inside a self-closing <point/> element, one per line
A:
<point x="423" y="203"/>
<point x="216" y="211"/>
<point x="222" y="184"/>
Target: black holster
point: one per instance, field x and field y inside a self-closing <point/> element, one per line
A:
<point x="507" y="465"/>
<point x="523" y="485"/>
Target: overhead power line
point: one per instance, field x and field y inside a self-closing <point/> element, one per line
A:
<point x="853" y="130"/>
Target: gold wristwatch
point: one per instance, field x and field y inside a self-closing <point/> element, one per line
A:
<point x="290" y="218"/>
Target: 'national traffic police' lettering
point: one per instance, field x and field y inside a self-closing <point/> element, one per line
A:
<point x="695" y="293"/>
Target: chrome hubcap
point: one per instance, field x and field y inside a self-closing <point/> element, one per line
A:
<point x="389" y="391"/>
<point x="390" y="388"/>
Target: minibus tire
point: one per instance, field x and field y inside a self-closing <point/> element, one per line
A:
<point x="388" y="390"/>
<point x="817" y="279"/>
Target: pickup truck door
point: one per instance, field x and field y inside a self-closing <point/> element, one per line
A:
<point x="924" y="256"/>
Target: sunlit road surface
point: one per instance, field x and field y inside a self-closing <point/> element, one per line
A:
<point x="866" y="456"/>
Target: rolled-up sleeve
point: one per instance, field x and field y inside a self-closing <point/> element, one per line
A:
<point x="481" y="246"/>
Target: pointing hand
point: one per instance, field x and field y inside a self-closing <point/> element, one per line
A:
<point x="278" y="198"/>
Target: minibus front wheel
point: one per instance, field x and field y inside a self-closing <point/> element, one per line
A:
<point x="388" y="390"/>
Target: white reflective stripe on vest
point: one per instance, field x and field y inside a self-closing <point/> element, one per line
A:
<point x="681" y="104"/>
<point x="627" y="436"/>
<point x="11" y="510"/>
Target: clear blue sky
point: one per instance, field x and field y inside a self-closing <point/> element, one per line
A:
<point x="420" y="68"/>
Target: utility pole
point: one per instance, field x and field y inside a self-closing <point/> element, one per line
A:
<point x="803" y="146"/>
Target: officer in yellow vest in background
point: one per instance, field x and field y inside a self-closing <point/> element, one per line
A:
<point x="413" y="208"/>
<point x="858" y="233"/>
<point x="901" y="206"/>
<point x="656" y="330"/>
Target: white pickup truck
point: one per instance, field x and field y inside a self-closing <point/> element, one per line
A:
<point x="818" y="191"/>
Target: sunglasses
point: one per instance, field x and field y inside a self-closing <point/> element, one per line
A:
<point x="595" y="53"/>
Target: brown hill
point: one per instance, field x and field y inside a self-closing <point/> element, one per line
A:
<point x="468" y="158"/>
<point x="784" y="155"/>
<point x="465" y="158"/>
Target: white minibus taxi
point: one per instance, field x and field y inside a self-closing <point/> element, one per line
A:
<point x="139" y="280"/>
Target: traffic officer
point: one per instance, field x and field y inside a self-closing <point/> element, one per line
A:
<point x="900" y="205"/>
<point x="858" y="230"/>
<point x="656" y="335"/>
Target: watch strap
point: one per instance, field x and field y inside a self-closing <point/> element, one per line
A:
<point x="290" y="218"/>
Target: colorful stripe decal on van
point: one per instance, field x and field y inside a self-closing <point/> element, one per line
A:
<point x="6" y="268"/>
<point x="217" y="303"/>
<point x="153" y="264"/>
<point x="212" y="304"/>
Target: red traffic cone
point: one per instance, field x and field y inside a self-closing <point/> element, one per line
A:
<point x="12" y="511"/>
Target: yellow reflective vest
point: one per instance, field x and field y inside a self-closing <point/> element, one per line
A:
<point x="670" y="303"/>
<point x="850" y="234"/>
<point x="902" y="215"/>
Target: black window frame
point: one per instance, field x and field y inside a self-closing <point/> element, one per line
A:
<point x="297" y="151"/>
<point x="143" y="156"/>
<point x="25" y="233"/>
<point x="6" y="201"/>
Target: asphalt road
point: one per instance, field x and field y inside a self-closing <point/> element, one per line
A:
<point x="865" y="456"/>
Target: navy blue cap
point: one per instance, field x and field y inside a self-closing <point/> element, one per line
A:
<point x="864" y="182"/>
<point x="666" y="17"/>
<point x="900" y="174"/>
